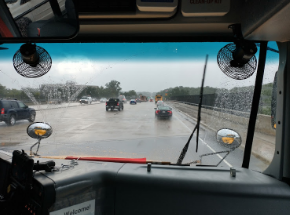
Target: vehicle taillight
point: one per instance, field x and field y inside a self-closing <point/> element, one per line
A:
<point x="158" y="111"/>
<point x="169" y="111"/>
<point x="118" y="104"/>
<point x="106" y="103"/>
<point x="2" y="111"/>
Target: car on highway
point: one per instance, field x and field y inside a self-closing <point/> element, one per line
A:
<point x="14" y="110"/>
<point x="151" y="100"/>
<point x="103" y="100"/>
<point x="133" y="102"/>
<point x="86" y="100"/>
<point x="163" y="112"/>
<point x="122" y="98"/>
<point x="160" y="103"/>
<point x="114" y="103"/>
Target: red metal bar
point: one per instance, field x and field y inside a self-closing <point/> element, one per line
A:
<point x="109" y="159"/>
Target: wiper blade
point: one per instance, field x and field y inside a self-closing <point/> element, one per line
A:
<point x="185" y="148"/>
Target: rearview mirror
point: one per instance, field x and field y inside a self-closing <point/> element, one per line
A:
<point x="273" y="103"/>
<point x="229" y="138"/>
<point x="38" y="19"/>
<point x="39" y="130"/>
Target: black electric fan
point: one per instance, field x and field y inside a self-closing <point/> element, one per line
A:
<point x="32" y="61"/>
<point x="237" y="60"/>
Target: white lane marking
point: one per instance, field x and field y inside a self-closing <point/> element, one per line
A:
<point x="226" y="162"/>
<point x="6" y="153"/>
<point x="82" y="128"/>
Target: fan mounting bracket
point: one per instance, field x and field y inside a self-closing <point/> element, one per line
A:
<point x="237" y="31"/>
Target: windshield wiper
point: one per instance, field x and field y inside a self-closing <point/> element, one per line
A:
<point x="185" y="148"/>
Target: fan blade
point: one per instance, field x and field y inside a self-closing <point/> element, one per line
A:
<point x="232" y="69"/>
<point x="268" y="48"/>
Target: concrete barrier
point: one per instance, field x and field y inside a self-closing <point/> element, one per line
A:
<point x="263" y="123"/>
<point x="58" y="106"/>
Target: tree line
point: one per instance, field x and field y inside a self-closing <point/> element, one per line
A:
<point x="180" y="91"/>
<point x="69" y="91"/>
<point x="183" y="91"/>
<point x="72" y="91"/>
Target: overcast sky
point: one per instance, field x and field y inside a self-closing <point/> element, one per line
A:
<point x="138" y="66"/>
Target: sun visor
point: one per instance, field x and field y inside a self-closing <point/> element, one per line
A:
<point x="192" y="8"/>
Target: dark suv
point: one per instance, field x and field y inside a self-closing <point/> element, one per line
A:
<point x="114" y="103"/>
<point x="13" y="110"/>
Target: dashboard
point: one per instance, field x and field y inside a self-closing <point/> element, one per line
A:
<point x="90" y="187"/>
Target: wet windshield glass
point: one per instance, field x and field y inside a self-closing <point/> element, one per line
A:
<point x="151" y="73"/>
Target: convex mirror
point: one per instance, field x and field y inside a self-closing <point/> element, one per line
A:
<point x="39" y="130"/>
<point x="229" y="138"/>
<point x="55" y="19"/>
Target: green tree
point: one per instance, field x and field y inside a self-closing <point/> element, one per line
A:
<point x="129" y="94"/>
<point x="113" y="88"/>
<point x="2" y="91"/>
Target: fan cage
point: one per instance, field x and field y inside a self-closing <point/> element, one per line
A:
<point x="224" y="58"/>
<point x="28" y="71"/>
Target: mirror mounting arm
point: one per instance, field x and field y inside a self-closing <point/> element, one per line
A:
<point x="214" y="153"/>
<point x="38" y="142"/>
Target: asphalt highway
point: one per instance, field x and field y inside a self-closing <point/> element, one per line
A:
<point x="135" y="132"/>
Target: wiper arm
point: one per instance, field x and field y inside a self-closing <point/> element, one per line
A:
<point x="185" y="148"/>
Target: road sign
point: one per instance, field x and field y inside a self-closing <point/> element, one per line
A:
<point x="166" y="94"/>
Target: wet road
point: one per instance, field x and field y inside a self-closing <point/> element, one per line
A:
<point x="134" y="132"/>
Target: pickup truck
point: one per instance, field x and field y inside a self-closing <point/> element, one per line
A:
<point x="114" y="103"/>
<point x="86" y="100"/>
